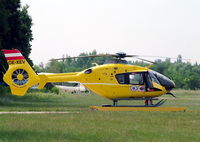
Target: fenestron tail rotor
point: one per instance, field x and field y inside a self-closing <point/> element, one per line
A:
<point x="20" y="77"/>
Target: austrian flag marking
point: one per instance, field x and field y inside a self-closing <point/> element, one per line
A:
<point x="13" y="55"/>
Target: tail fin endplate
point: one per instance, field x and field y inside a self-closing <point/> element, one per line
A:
<point x="20" y="76"/>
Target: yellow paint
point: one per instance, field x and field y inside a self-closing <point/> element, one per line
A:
<point x="137" y="108"/>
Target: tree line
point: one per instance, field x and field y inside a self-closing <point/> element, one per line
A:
<point x="15" y="30"/>
<point x="184" y="74"/>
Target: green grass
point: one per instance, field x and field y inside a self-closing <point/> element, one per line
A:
<point x="97" y="126"/>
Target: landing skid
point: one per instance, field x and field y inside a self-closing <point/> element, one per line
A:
<point x="147" y="107"/>
<point x="115" y="102"/>
<point x="169" y="109"/>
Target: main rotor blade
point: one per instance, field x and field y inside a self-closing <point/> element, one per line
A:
<point x="118" y="55"/>
<point x="100" y="55"/>
<point x="146" y="60"/>
<point x="163" y="57"/>
<point x="132" y="55"/>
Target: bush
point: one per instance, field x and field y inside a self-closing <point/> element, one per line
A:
<point x="49" y="86"/>
<point x="55" y="90"/>
<point x="4" y="90"/>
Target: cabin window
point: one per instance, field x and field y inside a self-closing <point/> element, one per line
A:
<point x="122" y="78"/>
<point x="136" y="78"/>
<point x="130" y="78"/>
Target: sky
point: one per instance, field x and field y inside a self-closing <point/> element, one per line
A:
<point x="141" y="27"/>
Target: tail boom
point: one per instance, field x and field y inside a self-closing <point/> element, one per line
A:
<point x="61" y="77"/>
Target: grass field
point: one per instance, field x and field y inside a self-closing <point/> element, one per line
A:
<point x="84" y="125"/>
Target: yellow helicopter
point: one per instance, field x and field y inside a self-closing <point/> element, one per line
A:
<point x="115" y="80"/>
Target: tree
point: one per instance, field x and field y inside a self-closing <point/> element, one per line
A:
<point x="179" y="59"/>
<point x="15" y="30"/>
<point x="54" y="67"/>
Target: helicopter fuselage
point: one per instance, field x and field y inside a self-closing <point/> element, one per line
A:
<point x="115" y="81"/>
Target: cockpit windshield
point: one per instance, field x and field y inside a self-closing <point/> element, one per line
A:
<point x="163" y="80"/>
<point x="153" y="77"/>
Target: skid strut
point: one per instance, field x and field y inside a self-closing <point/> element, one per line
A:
<point x="115" y="102"/>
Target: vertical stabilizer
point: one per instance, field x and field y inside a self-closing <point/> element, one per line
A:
<point x="19" y="76"/>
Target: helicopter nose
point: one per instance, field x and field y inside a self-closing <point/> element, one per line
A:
<point x="165" y="81"/>
<point x="169" y="85"/>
